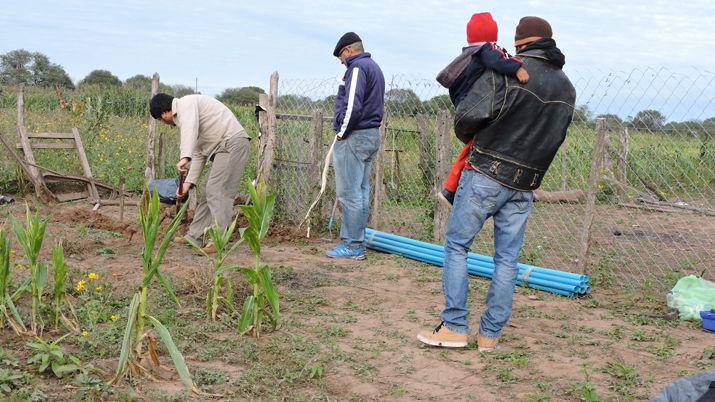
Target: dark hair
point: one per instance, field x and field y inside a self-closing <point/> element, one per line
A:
<point x="159" y="104"/>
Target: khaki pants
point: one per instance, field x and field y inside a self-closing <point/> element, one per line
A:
<point x="223" y="180"/>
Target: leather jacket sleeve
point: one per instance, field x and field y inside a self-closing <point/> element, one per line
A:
<point x="480" y="106"/>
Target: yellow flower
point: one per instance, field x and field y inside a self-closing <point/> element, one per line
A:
<point x="114" y="317"/>
<point x="80" y="285"/>
<point x="84" y="333"/>
<point x="98" y="288"/>
<point x="92" y="276"/>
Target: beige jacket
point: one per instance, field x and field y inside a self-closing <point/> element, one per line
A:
<point x="204" y="123"/>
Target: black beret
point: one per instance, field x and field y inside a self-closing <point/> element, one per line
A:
<point x="345" y="40"/>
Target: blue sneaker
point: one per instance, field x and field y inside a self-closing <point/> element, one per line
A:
<point x="343" y="251"/>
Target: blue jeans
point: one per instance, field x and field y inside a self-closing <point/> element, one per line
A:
<point x="352" y="160"/>
<point x="478" y="198"/>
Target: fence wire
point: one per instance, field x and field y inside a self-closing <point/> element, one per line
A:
<point x="654" y="215"/>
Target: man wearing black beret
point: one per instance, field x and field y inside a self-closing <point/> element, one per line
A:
<point x="359" y="107"/>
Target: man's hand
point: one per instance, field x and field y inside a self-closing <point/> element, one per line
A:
<point x="183" y="191"/>
<point x="181" y="166"/>
<point x="522" y="75"/>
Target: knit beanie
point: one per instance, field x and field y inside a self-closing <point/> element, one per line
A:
<point x="482" y="28"/>
<point x="530" y="29"/>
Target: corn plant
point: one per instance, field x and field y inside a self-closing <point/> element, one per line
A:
<point x="259" y="215"/>
<point x="220" y="240"/>
<point x="59" y="276"/>
<point x="7" y="307"/>
<point x="30" y="237"/>
<point x="130" y="359"/>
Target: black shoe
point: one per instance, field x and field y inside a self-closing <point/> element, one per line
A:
<point x="446" y="196"/>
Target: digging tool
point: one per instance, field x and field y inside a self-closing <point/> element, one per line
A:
<point x="180" y="195"/>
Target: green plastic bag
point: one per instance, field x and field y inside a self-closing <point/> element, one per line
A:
<point x="690" y="296"/>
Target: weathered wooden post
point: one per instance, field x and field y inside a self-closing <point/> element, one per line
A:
<point x="621" y="166"/>
<point x="423" y="143"/>
<point x="149" y="173"/>
<point x="443" y="154"/>
<point x="378" y="177"/>
<point x="593" y="178"/>
<point x="315" y="149"/>
<point x="267" y="123"/>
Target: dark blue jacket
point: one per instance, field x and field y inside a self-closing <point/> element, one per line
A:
<point x="489" y="56"/>
<point x="360" y="102"/>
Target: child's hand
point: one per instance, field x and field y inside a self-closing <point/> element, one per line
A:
<point x="522" y="75"/>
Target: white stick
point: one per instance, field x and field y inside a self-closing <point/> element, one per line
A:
<point x="323" y="183"/>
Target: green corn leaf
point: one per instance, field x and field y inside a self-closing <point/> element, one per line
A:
<point x="4" y="263"/>
<point x="15" y="314"/>
<point x="168" y="288"/>
<point x="173" y="227"/>
<point x="41" y="278"/>
<point x="226" y="268"/>
<point x="234" y="247"/>
<point x="266" y="215"/>
<point x="244" y="323"/>
<point x="59" y="271"/>
<point x="229" y="293"/>
<point x="269" y="289"/>
<point x="251" y="237"/>
<point x="174" y="352"/>
<point x="250" y="274"/>
<point x="126" y="342"/>
<point x="21" y="289"/>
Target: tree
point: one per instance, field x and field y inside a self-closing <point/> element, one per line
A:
<point x="139" y="81"/>
<point x="241" y="96"/>
<point x="102" y="78"/>
<point x="295" y="102"/>
<point x="403" y="101"/>
<point x="142" y="83"/>
<point x="437" y="103"/>
<point x="648" y="119"/>
<point x="182" y="90"/>
<point x="582" y="115"/>
<point x="23" y="67"/>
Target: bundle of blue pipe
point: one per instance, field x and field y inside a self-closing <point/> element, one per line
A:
<point x="550" y="280"/>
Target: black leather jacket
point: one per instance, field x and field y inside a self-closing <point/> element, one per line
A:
<point x="517" y="128"/>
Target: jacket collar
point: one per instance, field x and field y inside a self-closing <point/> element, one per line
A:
<point x="362" y="55"/>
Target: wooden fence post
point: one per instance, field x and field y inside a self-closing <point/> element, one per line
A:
<point x="315" y="149"/>
<point x="423" y="143"/>
<point x="378" y="177"/>
<point x="161" y="157"/>
<point x="21" y="106"/>
<point x="443" y="165"/>
<point x="149" y="171"/>
<point x="26" y="149"/>
<point x="267" y="151"/>
<point x="593" y="178"/>
<point x="621" y="167"/>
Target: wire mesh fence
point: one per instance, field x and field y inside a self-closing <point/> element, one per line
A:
<point x="654" y="189"/>
<point x="653" y="215"/>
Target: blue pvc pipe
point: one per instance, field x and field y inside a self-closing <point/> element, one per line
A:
<point x="559" y="282"/>
<point x="472" y="261"/>
<point x="406" y="240"/>
<point x="474" y="269"/>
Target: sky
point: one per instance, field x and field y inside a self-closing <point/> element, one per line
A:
<point x="218" y="44"/>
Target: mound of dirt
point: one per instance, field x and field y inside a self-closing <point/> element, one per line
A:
<point x="96" y="220"/>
